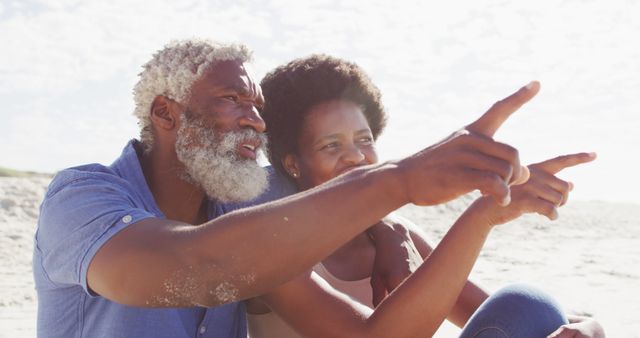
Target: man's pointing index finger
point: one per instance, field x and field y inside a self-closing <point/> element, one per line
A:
<point x="490" y="121"/>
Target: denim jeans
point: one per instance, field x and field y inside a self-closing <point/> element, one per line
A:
<point x="516" y="311"/>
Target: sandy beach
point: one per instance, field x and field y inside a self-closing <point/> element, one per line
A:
<point x="589" y="259"/>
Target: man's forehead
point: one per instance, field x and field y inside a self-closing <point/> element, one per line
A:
<point x="230" y="74"/>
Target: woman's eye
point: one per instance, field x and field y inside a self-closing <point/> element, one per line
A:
<point x="366" y="140"/>
<point x="332" y="145"/>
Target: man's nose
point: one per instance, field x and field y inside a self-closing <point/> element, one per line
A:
<point x="251" y="118"/>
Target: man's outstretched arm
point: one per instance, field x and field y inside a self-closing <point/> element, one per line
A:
<point x="246" y="253"/>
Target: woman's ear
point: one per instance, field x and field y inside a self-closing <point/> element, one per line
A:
<point x="164" y="113"/>
<point x="290" y="164"/>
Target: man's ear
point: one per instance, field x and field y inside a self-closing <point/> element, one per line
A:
<point x="164" y="113"/>
<point x="290" y="164"/>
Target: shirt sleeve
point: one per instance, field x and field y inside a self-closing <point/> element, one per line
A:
<point x="77" y="216"/>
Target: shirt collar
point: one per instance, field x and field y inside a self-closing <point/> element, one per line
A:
<point x="128" y="167"/>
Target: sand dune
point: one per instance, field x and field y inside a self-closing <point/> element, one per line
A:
<point x="589" y="259"/>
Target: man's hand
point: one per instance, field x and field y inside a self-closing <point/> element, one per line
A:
<point x="396" y="257"/>
<point x="579" y="327"/>
<point x="469" y="159"/>
<point x="543" y="193"/>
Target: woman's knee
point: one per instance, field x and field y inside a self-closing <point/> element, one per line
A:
<point x="516" y="311"/>
<point x="527" y="302"/>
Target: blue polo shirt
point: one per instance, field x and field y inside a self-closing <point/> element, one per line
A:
<point x="83" y="208"/>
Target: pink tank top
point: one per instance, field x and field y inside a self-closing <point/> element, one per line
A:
<point x="270" y="325"/>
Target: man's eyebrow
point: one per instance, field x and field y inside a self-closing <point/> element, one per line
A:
<point x="240" y="90"/>
<point x="234" y="88"/>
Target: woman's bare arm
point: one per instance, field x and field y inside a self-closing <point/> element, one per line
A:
<point x="471" y="296"/>
<point x="415" y="309"/>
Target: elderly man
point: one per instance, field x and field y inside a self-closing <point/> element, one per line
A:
<point x="140" y="249"/>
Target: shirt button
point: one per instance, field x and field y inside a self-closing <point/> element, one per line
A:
<point x="203" y="329"/>
<point x="127" y="218"/>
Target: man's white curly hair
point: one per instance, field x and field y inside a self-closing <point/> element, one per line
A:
<point x="172" y="72"/>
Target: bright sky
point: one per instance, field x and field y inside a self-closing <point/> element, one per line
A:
<point x="67" y="68"/>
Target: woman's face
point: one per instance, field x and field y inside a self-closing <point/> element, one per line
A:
<point x="335" y="138"/>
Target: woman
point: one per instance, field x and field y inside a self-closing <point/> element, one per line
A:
<point x="323" y="116"/>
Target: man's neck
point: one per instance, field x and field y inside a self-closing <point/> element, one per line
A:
<point x="176" y="198"/>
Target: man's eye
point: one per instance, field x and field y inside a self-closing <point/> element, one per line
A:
<point x="232" y="98"/>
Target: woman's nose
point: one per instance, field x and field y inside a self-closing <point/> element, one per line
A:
<point x="353" y="155"/>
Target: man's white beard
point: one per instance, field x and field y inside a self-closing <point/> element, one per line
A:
<point x="212" y="163"/>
